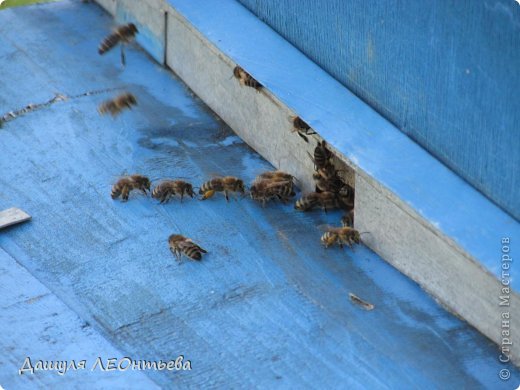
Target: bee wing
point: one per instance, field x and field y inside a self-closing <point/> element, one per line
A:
<point x="325" y="227"/>
<point x="171" y="178"/>
<point x="303" y="136"/>
<point x="117" y="177"/>
<point x="277" y="184"/>
<point x="202" y="249"/>
<point x="185" y="243"/>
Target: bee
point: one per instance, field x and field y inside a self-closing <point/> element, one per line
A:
<point x="116" y="105"/>
<point x="128" y="183"/>
<point x="302" y="128"/>
<point x="348" y="219"/>
<point x="340" y="235"/>
<point x="327" y="179"/>
<point x="122" y="34"/>
<point x="346" y="197"/>
<point x="222" y="184"/>
<point x="182" y="245"/>
<point x="265" y="190"/>
<point x="326" y="200"/>
<point x="168" y="188"/>
<point x="322" y="155"/>
<point x="245" y="78"/>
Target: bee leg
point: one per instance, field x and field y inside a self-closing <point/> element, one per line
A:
<point x="123" y="59"/>
<point x="303" y="137"/>
<point x="176" y="254"/>
<point x="125" y="193"/>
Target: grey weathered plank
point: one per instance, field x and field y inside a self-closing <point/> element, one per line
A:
<point x="13" y="216"/>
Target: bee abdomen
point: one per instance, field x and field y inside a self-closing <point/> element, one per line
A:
<point x="205" y="187"/>
<point x="305" y="204"/>
<point x="107" y="107"/>
<point x="287" y="191"/>
<point x="108" y="43"/>
<point x="251" y="82"/>
<point x="116" y="190"/>
<point x="193" y="252"/>
<point x="328" y="238"/>
<point x="158" y="192"/>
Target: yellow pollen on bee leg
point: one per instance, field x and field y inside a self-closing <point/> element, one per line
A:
<point x="208" y="194"/>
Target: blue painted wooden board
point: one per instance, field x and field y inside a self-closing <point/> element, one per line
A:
<point x="444" y="72"/>
<point x="268" y="306"/>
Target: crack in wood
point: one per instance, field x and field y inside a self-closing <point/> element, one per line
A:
<point x="58" y="97"/>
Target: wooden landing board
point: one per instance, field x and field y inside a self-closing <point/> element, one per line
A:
<point x="12" y="216"/>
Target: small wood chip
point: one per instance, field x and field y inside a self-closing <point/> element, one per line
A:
<point x="12" y="216"/>
<point x="358" y="301"/>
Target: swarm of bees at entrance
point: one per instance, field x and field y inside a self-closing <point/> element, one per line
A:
<point x="245" y="79"/>
<point x="272" y="185"/>
<point x="115" y="106"/>
<point x="331" y="191"/>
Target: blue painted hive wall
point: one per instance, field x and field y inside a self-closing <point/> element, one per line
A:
<point x="445" y="72"/>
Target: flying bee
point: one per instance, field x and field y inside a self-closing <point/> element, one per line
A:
<point x="348" y="219"/>
<point x="128" y="183"/>
<point x="322" y="155"/>
<point x="341" y="236"/>
<point x="302" y="128"/>
<point x="222" y="184"/>
<point x="118" y="104"/>
<point x="265" y="190"/>
<point x="168" y="188"/>
<point x="122" y="34"/>
<point x="326" y="200"/>
<point x="180" y="245"/>
<point x="245" y="78"/>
